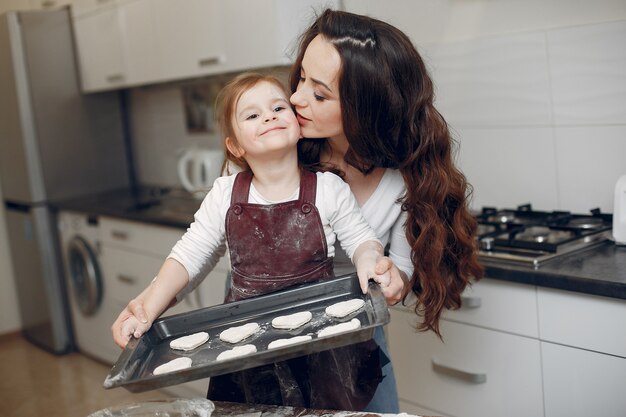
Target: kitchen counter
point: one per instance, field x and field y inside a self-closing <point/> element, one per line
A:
<point x="600" y="270"/>
<point x="172" y="207"/>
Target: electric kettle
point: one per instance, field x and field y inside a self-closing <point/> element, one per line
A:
<point x="619" y="212"/>
<point x="199" y="168"/>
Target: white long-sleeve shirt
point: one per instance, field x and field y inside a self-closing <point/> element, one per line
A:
<point x="205" y="240"/>
<point x="383" y="213"/>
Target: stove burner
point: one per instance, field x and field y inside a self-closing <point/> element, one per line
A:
<point x="585" y="223"/>
<point x="542" y="234"/>
<point x="531" y="236"/>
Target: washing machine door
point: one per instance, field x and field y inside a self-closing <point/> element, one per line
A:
<point x="85" y="277"/>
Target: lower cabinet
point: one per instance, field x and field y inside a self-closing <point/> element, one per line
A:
<point x="474" y="372"/>
<point x="132" y="254"/>
<point x="514" y="350"/>
<point x="581" y="383"/>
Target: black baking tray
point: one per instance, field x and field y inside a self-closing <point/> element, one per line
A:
<point x="133" y="369"/>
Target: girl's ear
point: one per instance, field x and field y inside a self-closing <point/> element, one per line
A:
<point x="233" y="147"/>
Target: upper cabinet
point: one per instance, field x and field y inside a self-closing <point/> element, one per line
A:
<point x="188" y="38"/>
<point x="124" y="43"/>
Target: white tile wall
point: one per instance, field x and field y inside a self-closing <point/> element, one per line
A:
<point x="498" y="81"/>
<point x="509" y="166"/>
<point x="590" y="160"/>
<point x="541" y="116"/>
<point x="160" y="134"/>
<point x="588" y="73"/>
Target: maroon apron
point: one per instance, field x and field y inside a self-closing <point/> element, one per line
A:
<point x="274" y="247"/>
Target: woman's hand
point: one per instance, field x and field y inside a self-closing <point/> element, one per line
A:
<point x="132" y="321"/>
<point x="393" y="288"/>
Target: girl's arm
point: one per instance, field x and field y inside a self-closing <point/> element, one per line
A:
<point x="141" y="311"/>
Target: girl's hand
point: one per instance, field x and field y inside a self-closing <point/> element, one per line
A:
<point x="122" y="326"/>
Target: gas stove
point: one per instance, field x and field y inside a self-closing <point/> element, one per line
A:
<point x="527" y="236"/>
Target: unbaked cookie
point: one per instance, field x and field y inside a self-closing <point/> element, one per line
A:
<point x="286" y="342"/>
<point x="173" y="365"/>
<point x="189" y="342"/>
<point x="344" y="308"/>
<point x="340" y="328"/>
<point x="292" y="321"/>
<point x="238" y="333"/>
<point x="236" y="352"/>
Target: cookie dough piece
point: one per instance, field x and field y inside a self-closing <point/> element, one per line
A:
<point x="344" y="308"/>
<point x="238" y="333"/>
<point x="236" y="352"/>
<point x="292" y="321"/>
<point x="189" y="342"/>
<point x="173" y="365"/>
<point x="286" y="342"/>
<point x="339" y="328"/>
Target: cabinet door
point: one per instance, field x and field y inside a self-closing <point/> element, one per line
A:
<point x="139" y="48"/>
<point x="188" y="37"/>
<point x="100" y="50"/>
<point x="582" y="320"/>
<point x="580" y="383"/>
<point x="499" y="305"/>
<point x="475" y="372"/>
<point x="264" y="33"/>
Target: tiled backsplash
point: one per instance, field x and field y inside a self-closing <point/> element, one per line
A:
<point x="540" y="116"/>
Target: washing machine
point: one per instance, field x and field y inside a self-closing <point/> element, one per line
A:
<point x="92" y="316"/>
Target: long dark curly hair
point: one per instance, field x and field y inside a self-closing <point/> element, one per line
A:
<point x="390" y="121"/>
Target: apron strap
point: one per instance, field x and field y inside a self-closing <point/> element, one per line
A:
<point x="241" y="188"/>
<point x="308" y="187"/>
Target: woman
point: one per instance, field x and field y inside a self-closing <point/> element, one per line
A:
<point x="360" y="84"/>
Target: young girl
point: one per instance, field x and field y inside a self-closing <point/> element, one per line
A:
<point x="279" y="222"/>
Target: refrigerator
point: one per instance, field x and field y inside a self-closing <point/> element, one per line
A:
<point x="55" y="143"/>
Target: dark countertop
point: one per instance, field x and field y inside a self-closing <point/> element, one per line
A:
<point x="171" y="207"/>
<point x="600" y="270"/>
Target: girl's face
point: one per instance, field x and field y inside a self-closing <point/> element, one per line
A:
<point x="263" y="122"/>
<point x="316" y="99"/>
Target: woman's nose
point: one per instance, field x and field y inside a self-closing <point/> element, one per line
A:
<point x="296" y="98"/>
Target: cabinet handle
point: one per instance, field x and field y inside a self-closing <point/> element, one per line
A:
<point x="126" y="279"/>
<point x="205" y="62"/>
<point x="471" y="302"/>
<point x="47" y="4"/>
<point x="115" y="78"/>
<point x="118" y="234"/>
<point x="462" y="374"/>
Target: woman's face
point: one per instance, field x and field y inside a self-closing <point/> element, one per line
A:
<point x="316" y="99"/>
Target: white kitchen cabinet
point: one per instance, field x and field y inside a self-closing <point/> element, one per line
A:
<point x="475" y="372"/>
<point x="49" y="4"/>
<point x="580" y="320"/>
<point x="125" y="43"/>
<point x="99" y="44"/>
<point x="132" y="254"/>
<point x="584" y="353"/>
<point x="580" y="383"/>
<point x="499" y="305"/>
<point x="115" y="43"/>
<point x="188" y="36"/>
<point x="265" y="33"/>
